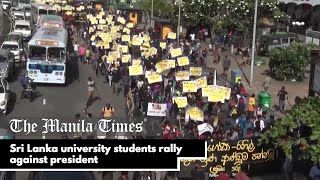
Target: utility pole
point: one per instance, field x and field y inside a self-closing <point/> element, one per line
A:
<point x="179" y="19"/>
<point x="254" y="40"/>
<point x="151" y="20"/>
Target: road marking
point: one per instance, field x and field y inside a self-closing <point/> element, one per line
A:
<point x="44" y="101"/>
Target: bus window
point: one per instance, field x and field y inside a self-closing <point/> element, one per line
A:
<point x="37" y="53"/>
<point x="51" y="12"/>
<point x="54" y="53"/>
<point x="21" y="27"/>
<point x="42" y="12"/>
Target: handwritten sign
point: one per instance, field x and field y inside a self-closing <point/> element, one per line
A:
<point x="189" y="86"/>
<point x="163" y="45"/>
<point x="136" y="62"/>
<point x="201" y="82"/>
<point x="230" y="156"/>
<point x="195" y="71"/>
<point x="181" y="101"/>
<point x="135" y="70"/>
<point x="154" y="78"/>
<point x="125" y="38"/>
<point x="172" y="63"/>
<point x="183" y="61"/>
<point x="176" y="52"/>
<point x="125" y="58"/>
<point x="172" y="35"/>
<point x="182" y="76"/>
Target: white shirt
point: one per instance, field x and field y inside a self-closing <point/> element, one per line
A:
<point x="85" y="34"/>
<point x="139" y="84"/>
<point x="76" y="47"/>
<point x="261" y="124"/>
<point x="192" y="36"/>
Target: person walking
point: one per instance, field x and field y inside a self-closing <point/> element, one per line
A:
<point x="266" y="83"/>
<point x="107" y="112"/>
<point x="126" y="82"/>
<point x="282" y="98"/>
<point x="116" y="81"/>
<point x="91" y="88"/>
<point x="226" y="65"/>
<point x="76" y="50"/>
<point x="82" y="53"/>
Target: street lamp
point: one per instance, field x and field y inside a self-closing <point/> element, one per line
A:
<point x="254" y="40"/>
<point x="179" y="19"/>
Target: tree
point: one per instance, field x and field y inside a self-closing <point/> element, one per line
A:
<point x="290" y="63"/>
<point x="300" y="128"/>
<point x="161" y="8"/>
<point x="206" y="12"/>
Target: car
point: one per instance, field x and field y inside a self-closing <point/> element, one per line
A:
<point x="79" y="175"/>
<point x="15" y="48"/>
<point x="4" y="95"/>
<point x="14" y="9"/>
<point x="16" y="36"/>
<point x="27" y="10"/>
<point x="6" y="5"/>
<point x="18" y="15"/>
<point x="23" y="27"/>
<point x="7" y="64"/>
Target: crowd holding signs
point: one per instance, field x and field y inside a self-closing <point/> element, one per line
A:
<point x="159" y="80"/>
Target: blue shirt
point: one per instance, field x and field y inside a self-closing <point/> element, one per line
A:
<point x="25" y="80"/>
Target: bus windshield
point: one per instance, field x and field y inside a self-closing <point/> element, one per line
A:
<point x="55" y="54"/>
<point x="19" y="17"/>
<point x="51" y="12"/>
<point x="42" y="11"/>
<point x="14" y="37"/>
<point x="37" y="53"/>
<point x="11" y="47"/>
<point x="22" y="27"/>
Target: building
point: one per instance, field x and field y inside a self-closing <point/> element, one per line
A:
<point x="304" y="13"/>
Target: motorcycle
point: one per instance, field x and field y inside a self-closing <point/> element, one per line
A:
<point x="28" y="92"/>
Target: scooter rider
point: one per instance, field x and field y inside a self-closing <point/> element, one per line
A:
<point x="25" y="80"/>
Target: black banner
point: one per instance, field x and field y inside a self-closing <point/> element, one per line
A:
<point x="232" y="156"/>
<point x="97" y="154"/>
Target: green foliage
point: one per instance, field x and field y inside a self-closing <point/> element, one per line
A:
<point x="290" y="63"/>
<point x="237" y="13"/>
<point x="308" y="112"/>
<point x="161" y="8"/>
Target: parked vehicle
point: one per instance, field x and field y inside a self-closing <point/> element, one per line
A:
<point x="23" y="27"/>
<point x="27" y="10"/>
<point x="7" y="64"/>
<point x="14" y="47"/>
<point x="18" y="13"/>
<point x="272" y="41"/>
<point x="4" y="95"/>
<point x="6" y="4"/>
<point x="16" y="36"/>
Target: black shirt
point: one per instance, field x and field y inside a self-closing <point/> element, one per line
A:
<point x="282" y="94"/>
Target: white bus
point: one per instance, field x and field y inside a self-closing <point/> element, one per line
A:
<point x="38" y="9"/>
<point x="50" y="21"/>
<point x="22" y="3"/>
<point x="46" y="60"/>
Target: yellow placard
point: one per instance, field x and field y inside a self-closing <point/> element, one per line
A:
<point x="121" y="20"/>
<point x="172" y="35"/>
<point x="124" y="49"/>
<point x="125" y="38"/>
<point x="182" y="102"/>
<point x="126" y="30"/>
<point x="102" y="21"/>
<point x="183" y="61"/>
<point x="135" y="70"/>
<point x="146" y="38"/>
<point x="195" y="114"/>
<point x="105" y="46"/>
<point x="182" y="76"/>
<point x="227" y="92"/>
<point x="163" y="45"/>
<point x="154" y="78"/>
<point x="216" y="96"/>
<point x="189" y="86"/>
<point x="176" y="52"/>
<point x="162" y="65"/>
<point x="136" y="41"/>
<point x="125" y="58"/>
<point x="110" y="59"/>
<point x="195" y="71"/>
<point x="93" y="37"/>
<point x="136" y="62"/>
<point x="172" y="63"/>
<point x="130" y="25"/>
<point x="208" y="89"/>
<point x="153" y="51"/>
<point x="201" y="82"/>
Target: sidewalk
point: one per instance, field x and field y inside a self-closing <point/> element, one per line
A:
<point x="294" y="89"/>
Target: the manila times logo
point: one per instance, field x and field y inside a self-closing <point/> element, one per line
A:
<point x="82" y="126"/>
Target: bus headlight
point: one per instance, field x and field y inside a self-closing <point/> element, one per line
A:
<point x="35" y="72"/>
<point x="61" y="73"/>
<point x="57" y="74"/>
<point x="31" y="72"/>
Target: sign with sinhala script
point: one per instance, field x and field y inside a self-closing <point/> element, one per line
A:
<point x="227" y="156"/>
